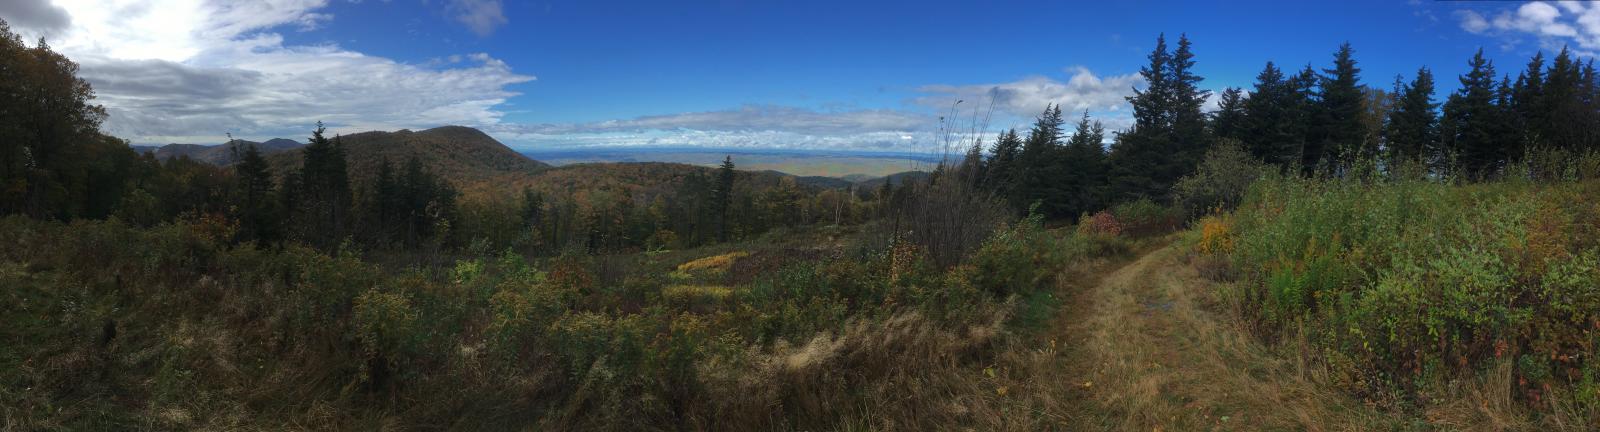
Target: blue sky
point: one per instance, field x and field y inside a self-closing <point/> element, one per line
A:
<point x="817" y="74"/>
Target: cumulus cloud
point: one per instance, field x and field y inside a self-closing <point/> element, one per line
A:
<point x="1027" y="97"/>
<point x="480" y="16"/>
<point x="1554" y="24"/>
<point x="1017" y="102"/>
<point x="1472" y="21"/>
<point x="190" y="70"/>
<point x="35" y="18"/>
<point x="745" y="127"/>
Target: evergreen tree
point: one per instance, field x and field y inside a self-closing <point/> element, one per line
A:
<point x="1002" y="164"/>
<point x="1527" y="106"/>
<point x="254" y="183"/>
<point x="1339" y="133"/>
<point x="1081" y="187"/>
<point x="1506" y="127"/>
<point x="1470" y="123"/>
<point x="324" y="198"/>
<point x="1587" y="116"/>
<point x="722" y="197"/>
<point x="1188" y="140"/>
<point x="1038" y="162"/>
<point x="1413" y="127"/>
<point x="1271" y="119"/>
<point x="1229" y="121"/>
<point x="1563" y="112"/>
<point x="1141" y="154"/>
<point x="383" y="205"/>
<point x="426" y="204"/>
<point x="972" y="166"/>
<point x="1306" y="112"/>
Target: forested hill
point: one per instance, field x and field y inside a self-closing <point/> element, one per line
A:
<point x="222" y="154"/>
<point x="460" y="154"/>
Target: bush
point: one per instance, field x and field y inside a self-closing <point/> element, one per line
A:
<point x="1144" y="217"/>
<point x="1018" y="259"/>
<point x="1220" y="181"/>
<point x="1102" y="223"/>
<point x="1407" y="283"/>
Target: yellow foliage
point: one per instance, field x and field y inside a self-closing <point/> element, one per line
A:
<point x="1216" y="235"/>
<point x="718" y="263"/>
<point x="688" y="293"/>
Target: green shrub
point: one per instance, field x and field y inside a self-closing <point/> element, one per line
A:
<point x="1221" y="179"/>
<point x="1144" y="217"/>
<point x="1417" y="281"/>
<point x="1018" y="259"/>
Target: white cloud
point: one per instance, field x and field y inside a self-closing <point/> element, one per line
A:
<point x="190" y="70"/>
<point x="480" y="16"/>
<point x="746" y="127"/>
<point x="1554" y="24"/>
<point x="1027" y="97"/>
<point x="1018" y="102"/>
<point x="1472" y="21"/>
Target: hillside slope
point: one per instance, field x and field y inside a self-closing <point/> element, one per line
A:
<point x="461" y="154"/>
<point x="221" y="154"/>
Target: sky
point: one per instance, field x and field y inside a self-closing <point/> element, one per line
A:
<point x="819" y="75"/>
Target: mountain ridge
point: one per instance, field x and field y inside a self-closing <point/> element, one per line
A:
<point x="459" y="154"/>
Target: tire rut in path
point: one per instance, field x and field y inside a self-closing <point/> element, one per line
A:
<point x="1152" y="356"/>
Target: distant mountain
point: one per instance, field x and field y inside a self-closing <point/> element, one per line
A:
<point x="858" y="178"/>
<point x="460" y="154"/>
<point x="817" y="181"/>
<point x="221" y="154"/>
<point x="899" y="179"/>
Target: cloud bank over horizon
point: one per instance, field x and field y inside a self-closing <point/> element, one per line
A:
<point x="191" y="71"/>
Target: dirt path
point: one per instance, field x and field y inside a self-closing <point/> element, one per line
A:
<point x="1146" y="354"/>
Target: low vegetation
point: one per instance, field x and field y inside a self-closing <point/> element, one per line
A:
<point x="111" y="326"/>
<point x="1406" y="289"/>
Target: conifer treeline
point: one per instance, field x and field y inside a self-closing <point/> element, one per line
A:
<point x="1311" y="122"/>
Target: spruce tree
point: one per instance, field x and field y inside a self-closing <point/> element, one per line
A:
<point x="1306" y="111"/>
<point x="324" y="198"/>
<point x="972" y="165"/>
<point x="1188" y="139"/>
<point x="1562" y="107"/>
<point x="1471" y="120"/>
<point x="1141" y="155"/>
<point x="1002" y="164"/>
<point x="1413" y="126"/>
<point x="1229" y="119"/>
<point x="1271" y="120"/>
<point x="1338" y="131"/>
<point x="1081" y="187"/>
<point x="1038" y="162"/>
<point x="255" y="191"/>
<point x="1528" y="107"/>
<point x="722" y="197"/>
